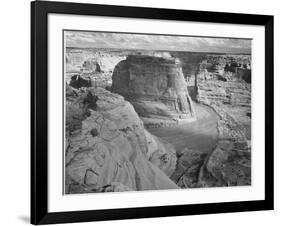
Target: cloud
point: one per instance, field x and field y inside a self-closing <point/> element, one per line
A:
<point x="155" y="42"/>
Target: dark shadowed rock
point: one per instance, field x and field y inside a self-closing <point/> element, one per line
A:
<point x="188" y="168"/>
<point x="78" y="81"/>
<point x="70" y="91"/>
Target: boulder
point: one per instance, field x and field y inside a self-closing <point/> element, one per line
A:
<point x="156" y="87"/>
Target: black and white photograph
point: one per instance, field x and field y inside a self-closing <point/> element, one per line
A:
<point x="125" y="113"/>
<point x="155" y="111"/>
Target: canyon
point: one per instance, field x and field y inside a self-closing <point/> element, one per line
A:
<point x="147" y="120"/>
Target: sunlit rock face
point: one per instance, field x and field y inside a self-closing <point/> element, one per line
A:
<point x="108" y="149"/>
<point x="156" y="87"/>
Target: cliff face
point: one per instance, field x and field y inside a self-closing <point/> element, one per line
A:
<point x="230" y="162"/>
<point x="156" y="88"/>
<point x="108" y="149"/>
<point x="224" y="93"/>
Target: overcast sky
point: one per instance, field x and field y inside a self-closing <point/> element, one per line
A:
<point x="155" y="42"/>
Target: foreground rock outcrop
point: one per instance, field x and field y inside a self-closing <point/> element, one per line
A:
<point x="188" y="168"/>
<point x="108" y="149"/>
<point x="156" y="88"/>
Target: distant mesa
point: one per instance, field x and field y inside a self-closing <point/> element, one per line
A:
<point x="156" y="87"/>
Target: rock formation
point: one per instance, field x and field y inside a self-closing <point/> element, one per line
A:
<point x="108" y="149"/>
<point x="227" y="93"/>
<point x="188" y="168"/>
<point x="229" y="164"/>
<point x="156" y="88"/>
<point x="189" y="62"/>
<point x="91" y="65"/>
<point x="75" y="58"/>
<point x="77" y="81"/>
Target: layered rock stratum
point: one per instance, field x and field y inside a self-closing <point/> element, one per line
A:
<point x="156" y="87"/>
<point x="107" y="148"/>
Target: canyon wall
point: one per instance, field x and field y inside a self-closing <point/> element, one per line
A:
<point x="229" y="164"/>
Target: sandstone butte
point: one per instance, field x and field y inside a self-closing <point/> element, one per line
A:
<point x="156" y="87"/>
<point x="108" y="148"/>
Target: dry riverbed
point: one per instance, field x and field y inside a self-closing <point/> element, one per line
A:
<point x="201" y="134"/>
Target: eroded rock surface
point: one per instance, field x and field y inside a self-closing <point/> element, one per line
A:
<point x="224" y="93"/>
<point x="156" y="88"/>
<point x="108" y="149"/>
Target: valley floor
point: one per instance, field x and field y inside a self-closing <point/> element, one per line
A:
<point x="201" y="134"/>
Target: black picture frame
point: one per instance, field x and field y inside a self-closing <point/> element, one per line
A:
<point x="39" y="112"/>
